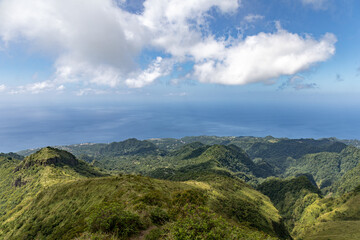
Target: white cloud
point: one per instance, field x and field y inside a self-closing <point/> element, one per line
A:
<point x="265" y="56"/>
<point x="37" y="87"/>
<point x="158" y="68"/>
<point x="95" y="43"/>
<point x="253" y="18"/>
<point x="87" y="38"/>
<point x="179" y="27"/>
<point x="2" y="88"/>
<point x="70" y="70"/>
<point x="60" y="88"/>
<point x="316" y="4"/>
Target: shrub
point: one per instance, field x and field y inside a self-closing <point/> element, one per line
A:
<point x="201" y="223"/>
<point x="191" y="196"/>
<point x="158" y="216"/>
<point x="112" y="218"/>
<point x="153" y="198"/>
<point x="155" y="234"/>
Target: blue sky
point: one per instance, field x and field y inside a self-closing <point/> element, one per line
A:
<point x="106" y="48"/>
<point x="100" y="52"/>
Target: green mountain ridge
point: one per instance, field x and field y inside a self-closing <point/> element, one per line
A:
<point x="58" y="202"/>
<point x="327" y="167"/>
<point x="130" y="146"/>
<point x="310" y="182"/>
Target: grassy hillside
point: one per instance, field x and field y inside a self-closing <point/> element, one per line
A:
<point x="210" y="168"/>
<point x="331" y="218"/>
<point x="308" y="215"/>
<point x="21" y="180"/>
<point x="169" y="209"/>
<point x="52" y="195"/>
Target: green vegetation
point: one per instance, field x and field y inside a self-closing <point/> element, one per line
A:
<point x="330" y="218"/>
<point x="112" y="218"/>
<point x="131" y="146"/>
<point x="288" y="195"/>
<point x="55" y="157"/>
<point x="327" y="167"/>
<point x="65" y="211"/>
<point x="189" y="188"/>
<point x="60" y="197"/>
<point x="282" y="153"/>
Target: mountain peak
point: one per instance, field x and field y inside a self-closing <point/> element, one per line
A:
<point x="49" y="156"/>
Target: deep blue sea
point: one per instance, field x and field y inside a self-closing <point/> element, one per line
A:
<point x="23" y="127"/>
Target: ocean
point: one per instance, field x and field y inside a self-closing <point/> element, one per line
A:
<point x="32" y="126"/>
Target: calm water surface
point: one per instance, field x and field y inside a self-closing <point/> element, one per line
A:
<point x="37" y="126"/>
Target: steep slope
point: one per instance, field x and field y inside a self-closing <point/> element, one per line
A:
<point x="281" y="153"/>
<point x="22" y="180"/>
<point x="327" y="167"/>
<point x="331" y="218"/>
<point x="57" y="158"/>
<point x="288" y="195"/>
<point x="48" y="156"/>
<point x="194" y="159"/>
<point x="9" y="196"/>
<point x="347" y="183"/>
<point x="230" y="157"/>
<point x="191" y="150"/>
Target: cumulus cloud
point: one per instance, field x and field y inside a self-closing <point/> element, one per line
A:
<point x="265" y="56"/>
<point x="316" y="4"/>
<point x="91" y="40"/>
<point x="97" y="43"/>
<point x="179" y="27"/>
<point x="297" y="83"/>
